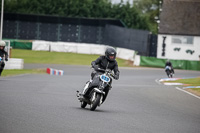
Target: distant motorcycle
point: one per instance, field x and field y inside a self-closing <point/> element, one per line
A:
<point x="97" y="93"/>
<point x="169" y="72"/>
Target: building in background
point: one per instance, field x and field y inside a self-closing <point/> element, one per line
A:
<point x="179" y="30"/>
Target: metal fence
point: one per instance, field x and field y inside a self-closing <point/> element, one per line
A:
<point x="127" y="38"/>
<point x="54" y="28"/>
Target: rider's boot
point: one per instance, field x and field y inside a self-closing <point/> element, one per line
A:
<point x="1" y="71"/>
<point x="85" y="89"/>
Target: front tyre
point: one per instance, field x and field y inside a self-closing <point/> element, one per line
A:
<point x="171" y="75"/>
<point x="96" y="102"/>
<point x="83" y="104"/>
<point x="168" y="74"/>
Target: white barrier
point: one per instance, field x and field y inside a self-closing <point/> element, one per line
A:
<point x="126" y="54"/>
<point x="137" y="60"/>
<point x="14" y="63"/>
<point x="41" y="45"/>
<point x="81" y="48"/>
<point x="91" y="49"/>
<point x="63" y="47"/>
<point x="98" y="49"/>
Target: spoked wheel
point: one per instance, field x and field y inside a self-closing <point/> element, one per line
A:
<point x="95" y="102"/>
<point x="83" y="104"/>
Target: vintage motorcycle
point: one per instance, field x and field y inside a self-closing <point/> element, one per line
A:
<point x="169" y="72"/>
<point x="97" y="92"/>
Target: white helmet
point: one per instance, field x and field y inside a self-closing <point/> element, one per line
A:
<point x="2" y="43"/>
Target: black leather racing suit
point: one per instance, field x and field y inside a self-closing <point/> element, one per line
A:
<point x="103" y="63"/>
<point x="2" y="64"/>
<point x="170" y="64"/>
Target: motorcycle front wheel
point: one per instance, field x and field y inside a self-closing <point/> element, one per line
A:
<point x="83" y="104"/>
<point x="95" y="102"/>
<point x="171" y="75"/>
<point x="168" y="74"/>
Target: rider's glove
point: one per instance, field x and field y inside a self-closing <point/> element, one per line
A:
<point x="6" y="59"/>
<point x="116" y="77"/>
<point x="96" y="67"/>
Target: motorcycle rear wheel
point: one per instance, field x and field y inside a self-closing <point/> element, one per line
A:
<point x="95" y="103"/>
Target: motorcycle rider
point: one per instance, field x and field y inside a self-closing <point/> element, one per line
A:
<point x="2" y="54"/>
<point x="168" y="63"/>
<point x="103" y="62"/>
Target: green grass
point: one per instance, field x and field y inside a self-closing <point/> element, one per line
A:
<point x="21" y="71"/>
<point x="44" y="57"/>
<point x="190" y="82"/>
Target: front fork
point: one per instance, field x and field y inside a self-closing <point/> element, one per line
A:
<point x="96" y="90"/>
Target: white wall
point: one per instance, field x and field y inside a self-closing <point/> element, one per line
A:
<point x="170" y="53"/>
<point x="14" y="63"/>
<point x="82" y="48"/>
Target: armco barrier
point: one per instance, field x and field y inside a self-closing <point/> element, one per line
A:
<point x="177" y="64"/>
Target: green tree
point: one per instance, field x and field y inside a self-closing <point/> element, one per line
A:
<point x="150" y="10"/>
<point x="129" y="14"/>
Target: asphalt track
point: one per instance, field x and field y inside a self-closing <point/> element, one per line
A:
<point x="42" y="103"/>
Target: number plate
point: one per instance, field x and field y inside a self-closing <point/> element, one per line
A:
<point x="105" y="78"/>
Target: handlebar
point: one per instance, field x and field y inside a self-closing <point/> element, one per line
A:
<point x="107" y="71"/>
<point x="103" y="70"/>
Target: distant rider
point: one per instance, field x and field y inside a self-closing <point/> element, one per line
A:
<point x="3" y="54"/>
<point x="168" y="63"/>
<point x="103" y="62"/>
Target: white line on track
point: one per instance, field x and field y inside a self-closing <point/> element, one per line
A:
<point x="187" y="92"/>
<point x="157" y="81"/>
<point x="129" y="85"/>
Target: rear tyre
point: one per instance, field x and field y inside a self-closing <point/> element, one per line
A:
<point x="95" y="103"/>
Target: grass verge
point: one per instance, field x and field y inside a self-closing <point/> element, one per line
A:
<point x="22" y="71"/>
<point x="44" y="57"/>
<point x="190" y="82"/>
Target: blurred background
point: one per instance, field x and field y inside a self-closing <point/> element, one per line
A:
<point x="153" y="29"/>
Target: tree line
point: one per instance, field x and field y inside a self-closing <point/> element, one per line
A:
<point x="137" y="16"/>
